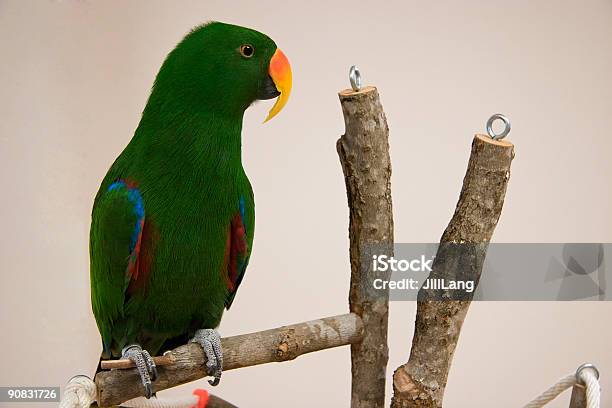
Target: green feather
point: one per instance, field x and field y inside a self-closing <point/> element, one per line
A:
<point x="185" y="159"/>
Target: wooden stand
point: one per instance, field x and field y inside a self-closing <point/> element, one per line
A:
<point x="364" y="154"/>
<point x="422" y="380"/>
<point x="365" y="159"/>
<point x="188" y="363"/>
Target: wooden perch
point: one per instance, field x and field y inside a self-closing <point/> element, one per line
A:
<point x="422" y="380"/>
<point x="364" y="154"/>
<point x="187" y="363"/>
<point x="213" y="402"/>
<point x="216" y="402"/>
<point x="578" y="398"/>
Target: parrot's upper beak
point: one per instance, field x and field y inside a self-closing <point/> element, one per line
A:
<point x="280" y="72"/>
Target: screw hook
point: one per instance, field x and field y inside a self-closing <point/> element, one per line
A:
<point x="355" y="78"/>
<point x="507" y="126"/>
<point x="584" y="367"/>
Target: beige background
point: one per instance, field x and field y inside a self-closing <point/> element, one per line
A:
<point x="74" y="76"/>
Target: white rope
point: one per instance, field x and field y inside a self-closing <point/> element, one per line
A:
<point x="553" y="392"/>
<point x="593" y="391"/>
<point x="588" y="378"/>
<point x="80" y="392"/>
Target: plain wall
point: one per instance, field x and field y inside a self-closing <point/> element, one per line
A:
<point x="74" y="77"/>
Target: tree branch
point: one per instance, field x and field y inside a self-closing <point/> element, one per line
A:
<point x="422" y="380"/>
<point x="213" y="402"/>
<point x="187" y="363"/>
<point x="364" y="154"/>
<point x="578" y="398"/>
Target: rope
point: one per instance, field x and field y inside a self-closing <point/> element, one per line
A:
<point x="80" y="392"/>
<point x="593" y="391"/>
<point x="553" y="392"/>
<point x="588" y="378"/>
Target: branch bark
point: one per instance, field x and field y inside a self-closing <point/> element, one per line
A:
<point x="364" y="155"/>
<point x="213" y="402"/>
<point x="578" y="398"/>
<point x="187" y="363"/>
<point x="217" y="402"/>
<point x="422" y="380"/>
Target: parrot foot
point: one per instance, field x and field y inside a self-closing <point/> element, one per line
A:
<point x="210" y="341"/>
<point x="144" y="364"/>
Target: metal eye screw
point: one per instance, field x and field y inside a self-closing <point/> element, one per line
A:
<point x="584" y="367"/>
<point x="355" y="78"/>
<point x="504" y="133"/>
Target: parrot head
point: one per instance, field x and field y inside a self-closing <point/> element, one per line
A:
<point x="224" y="68"/>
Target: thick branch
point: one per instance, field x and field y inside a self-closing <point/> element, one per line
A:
<point x="216" y="402"/>
<point x="213" y="402"/>
<point x="578" y="398"/>
<point x="274" y="345"/>
<point x="421" y="381"/>
<point x="364" y="154"/>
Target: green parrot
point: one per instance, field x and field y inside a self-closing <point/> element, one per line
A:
<point x="172" y="223"/>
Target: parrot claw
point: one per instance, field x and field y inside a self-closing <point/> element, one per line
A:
<point x="210" y="341"/>
<point x="144" y="364"/>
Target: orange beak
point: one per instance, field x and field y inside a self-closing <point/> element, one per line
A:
<point x="280" y="72"/>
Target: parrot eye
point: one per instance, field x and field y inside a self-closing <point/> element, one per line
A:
<point x="247" y="50"/>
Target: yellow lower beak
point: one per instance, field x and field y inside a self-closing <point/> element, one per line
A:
<point x="280" y="72"/>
